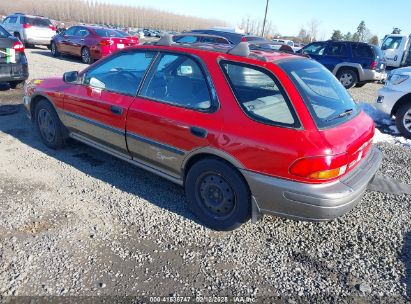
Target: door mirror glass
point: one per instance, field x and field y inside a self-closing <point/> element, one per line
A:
<point x="70" y="77"/>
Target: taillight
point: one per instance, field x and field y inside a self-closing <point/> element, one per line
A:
<point x="243" y="39"/>
<point x="106" y="42"/>
<point x="18" y="47"/>
<point x="320" y="168"/>
<point x="53" y="28"/>
<point x="373" y="65"/>
<point x="26" y="25"/>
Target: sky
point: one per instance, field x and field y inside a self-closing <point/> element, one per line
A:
<point x="289" y="16"/>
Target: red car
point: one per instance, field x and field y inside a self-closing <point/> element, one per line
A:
<point x="90" y="42"/>
<point x="246" y="133"/>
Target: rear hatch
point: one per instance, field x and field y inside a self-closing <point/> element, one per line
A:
<point x="346" y="130"/>
<point x="8" y="52"/>
<point x="39" y="28"/>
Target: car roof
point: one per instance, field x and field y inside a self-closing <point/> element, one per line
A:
<point x="26" y="15"/>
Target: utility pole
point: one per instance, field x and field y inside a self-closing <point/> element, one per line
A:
<point x="265" y="18"/>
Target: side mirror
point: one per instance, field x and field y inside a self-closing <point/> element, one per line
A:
<point x="70" y="77"/>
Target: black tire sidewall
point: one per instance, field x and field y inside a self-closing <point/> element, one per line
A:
<point x="242" y="209"/>
<point x="354" y="75"/>
<point x="89" y="56"/>
<point x="58" y="139"/>
<point x="56" y="53"/>
<point x="399" y="119"/>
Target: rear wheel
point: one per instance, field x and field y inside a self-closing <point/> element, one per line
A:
<point x="403" y="120"/>
<point x="49" y="125"/>
<point x="218" y="194"/>
<point x="348" y="78"/>
<point x="54" y="50"/>
<point x="16" y="84"/>
<point x="86" y="56"/>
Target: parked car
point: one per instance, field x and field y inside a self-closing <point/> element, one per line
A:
<point x="394" y="99"/>
<point x="245" y="135"/>
<point x="199" y="38"/>
<point x="353" y="63"/>
<point x="13" y="61"/>
<point x="397" y="50"/>
<point x="31" y="30"/>
<point x="89" y="42"/>
<point x="133" y="40"/>
<point x="231" y="36"/>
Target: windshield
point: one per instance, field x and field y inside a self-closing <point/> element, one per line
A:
<point x="40" y="22"/>
<point x="328" y="101"/>
<point x="391" y="43"/>
<point x="108" y="33"/>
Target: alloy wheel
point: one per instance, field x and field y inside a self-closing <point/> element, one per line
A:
<point x="407" y="120"/>
<point x="46" y="125"/>
<point x="346" y="79"/>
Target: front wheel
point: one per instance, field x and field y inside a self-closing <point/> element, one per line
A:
<point x="403" y="120"/>
<point x="218" y="195"/>
<point x="348" y="78"/>
<point x="54" y="50"/>
<point x="86" y="56"/>
<point x="49" y="125"/>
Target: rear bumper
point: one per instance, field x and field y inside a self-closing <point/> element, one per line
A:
<point x="13" y="72"/>
<point x="39" y="41"/>
<point x="312" y="202"/>
<point x="373" y="76"/>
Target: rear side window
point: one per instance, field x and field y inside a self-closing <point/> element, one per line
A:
<point x="327" y="100"/>
<point x="337" y="49"/>
<point x="186" y="39"/>
<point x="391" y="43"/>
<point x="362" y="50"/>
<point x="178" y="80"/>
<point x="108" y="33"/>
<point x="40" y="22"/>
<point x="260" y="95"/>
<point x="121" y="74"/>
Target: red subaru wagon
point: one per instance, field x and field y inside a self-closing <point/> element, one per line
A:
<point x="245" y="132"/>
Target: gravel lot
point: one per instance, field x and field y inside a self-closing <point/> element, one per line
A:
<point x="79" y="222"/>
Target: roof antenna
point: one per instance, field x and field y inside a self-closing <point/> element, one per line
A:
<point x="166" y="40"/>
<point x="242" y="49"/>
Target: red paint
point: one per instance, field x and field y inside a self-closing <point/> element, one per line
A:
<point x="260" y="148"/>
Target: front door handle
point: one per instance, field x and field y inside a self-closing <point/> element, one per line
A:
<point x="116" y="110"/>
<point x="199" y="132"/>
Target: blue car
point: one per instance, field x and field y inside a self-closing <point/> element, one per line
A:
<point x="353" y="63"/>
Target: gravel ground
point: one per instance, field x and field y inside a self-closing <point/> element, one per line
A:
<point x="78" y="222"/>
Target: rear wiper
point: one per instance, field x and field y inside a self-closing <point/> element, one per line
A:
<point x="343" y="114"/>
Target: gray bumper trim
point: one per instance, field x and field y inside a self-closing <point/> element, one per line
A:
<point x="314" y="202"/>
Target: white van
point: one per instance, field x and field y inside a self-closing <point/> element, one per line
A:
<point x="396" y="50"/>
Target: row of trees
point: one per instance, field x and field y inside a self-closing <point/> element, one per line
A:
<point x="255" y="27"/>
<point x="363" y="34"/>
<point x="98" y="12"/>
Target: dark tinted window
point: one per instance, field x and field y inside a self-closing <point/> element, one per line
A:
<point x="3" y="33"/>
<point x="260" y="95"/>
<point x="179" y="80"/>
<point x="323" y="94"/>
<point x="121" y="74"/>
<point x="40" y="22"/>
<point x="108" y="33"/>
<point x="337" y="49"/>
<point x="362" y="50"/>
<point x="316" y="48"/>
<point x="253" y="38"/>
<point x="186" y="39"/>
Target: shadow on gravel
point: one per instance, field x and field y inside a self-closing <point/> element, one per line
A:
<point x="47" y="53"/>
<point x="102" y="166"/>
<point x="405" y="256"/>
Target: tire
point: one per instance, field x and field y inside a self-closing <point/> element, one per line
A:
<point x="17" y="84"/>
<point x="54" y="50"/>
<point x="49" y="125"/>
<point x="360" y="85"/>
<point x="347" y="77"/>
<point x="218" y="195"/>
<point x="403" y="120"/>
<point x="86" y="56"/>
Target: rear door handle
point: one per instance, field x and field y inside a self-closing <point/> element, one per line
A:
<point x="199" y="132"/>
<point x="116" y="110"/>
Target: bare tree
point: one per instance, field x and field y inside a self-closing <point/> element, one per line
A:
<point x="312" y="29"/>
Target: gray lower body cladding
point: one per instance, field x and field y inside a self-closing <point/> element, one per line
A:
<point x="313" y="202"/>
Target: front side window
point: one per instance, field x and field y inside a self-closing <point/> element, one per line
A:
<point x="337" y="49"/>
<point x="391" y="43"/>
<point x="315" y="49"/>
<point x="178" y="80"/>
<point x="12" y="20"/>
<point x="260" y="95"/>
<point x="121" y="74"/>
<point x="186" y="39"/>
<point x="82" y="32"/>
<point x="327" y="100"/>
<point x="71" y="31"/>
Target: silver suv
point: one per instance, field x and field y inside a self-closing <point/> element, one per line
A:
<point x="31" y="30"/>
